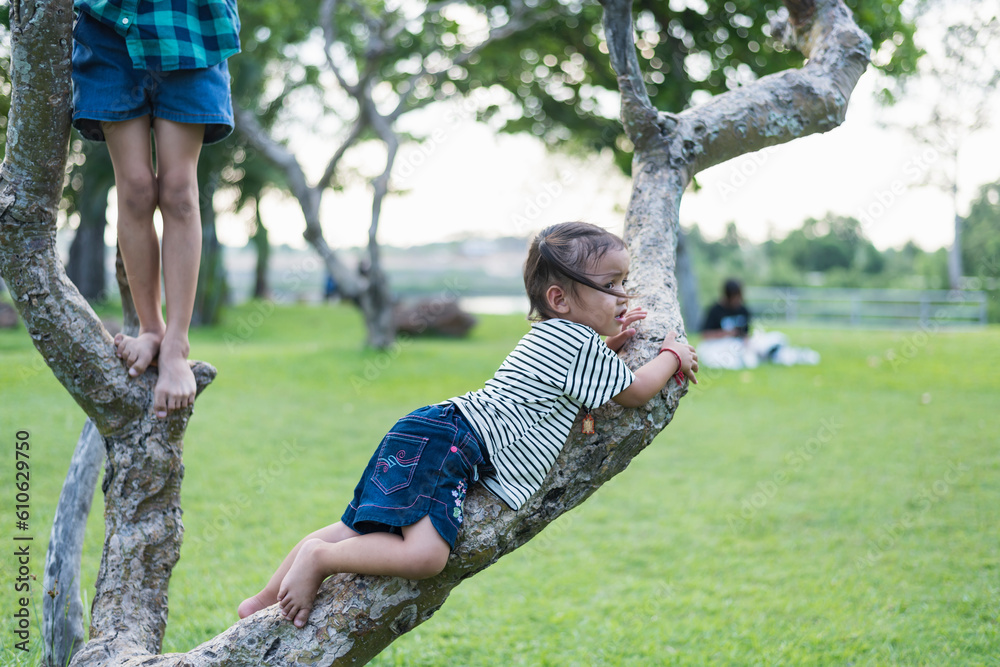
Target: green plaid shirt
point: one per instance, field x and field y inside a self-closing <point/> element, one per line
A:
<point x="164" y="35"/>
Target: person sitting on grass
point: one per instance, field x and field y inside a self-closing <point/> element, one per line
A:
<point x="160" y="67"/>
<point x="407" y="508"/>
<point x="728" y="343"/>
<point x="728" y="317"/>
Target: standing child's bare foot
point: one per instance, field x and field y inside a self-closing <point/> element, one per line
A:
<point x="254" y="604"/>
<point x="176" y="386"/>
<point x="139" y="351"/>
<point x="298" y="588"/>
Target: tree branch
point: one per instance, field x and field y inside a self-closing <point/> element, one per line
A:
<point x="639" y="117"/>
<point x="309" y="197"/>
<point x="40" y="95"/>
<point x="380" y="185"/>
<point x="62" y="325"/>
<point x="326" y="179"/>
<point x="357" y="616"/>
<point x="326" y="18"/>
<point x="784" y="106"/>
<point x="518" y="21"/>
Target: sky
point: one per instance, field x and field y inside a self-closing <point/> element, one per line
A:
<point x="466" y="180"/>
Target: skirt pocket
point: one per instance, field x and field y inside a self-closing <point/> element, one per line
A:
<point x="397" y="461"/>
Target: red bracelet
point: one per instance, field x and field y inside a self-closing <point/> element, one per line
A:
<point x="679" y="375"/>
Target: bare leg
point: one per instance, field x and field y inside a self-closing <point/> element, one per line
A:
<point x="178" y="146"/>
<point x="135" y="184"/>
<point x="269" y="595"/>
<point x="419" y="553"/>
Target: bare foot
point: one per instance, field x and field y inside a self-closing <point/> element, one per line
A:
<point x="176" y="386"/>
<point x="254" y="604"/>
<point x="138" y="352"/>
<point x="298" y="588"/>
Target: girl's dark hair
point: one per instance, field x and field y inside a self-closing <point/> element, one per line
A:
<point x="556" y="256"/>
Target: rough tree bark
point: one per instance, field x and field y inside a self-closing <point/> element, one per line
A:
<point x="142" y="506"/>
<point x="62" y="607"/>
<point x="355" y="617"/>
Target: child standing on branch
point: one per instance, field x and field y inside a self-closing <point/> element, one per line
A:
<point x="160" y="65"/>
<point x="407" y="508"/>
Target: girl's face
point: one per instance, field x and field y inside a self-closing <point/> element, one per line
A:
<point x="598" y="310"/>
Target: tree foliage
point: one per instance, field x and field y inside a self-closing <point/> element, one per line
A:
<point x="833" y="252"/>
<point x="559" y="81"/>
<point x="981" y="246"/>
<point x="833" y="242"/>
<point x="955" y="96"/>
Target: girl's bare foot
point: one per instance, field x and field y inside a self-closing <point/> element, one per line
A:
<point x="298" y="588"/>
<point x="176" y="386"/>
<point x="254" y="604"/>
<point x="139" y="351"/>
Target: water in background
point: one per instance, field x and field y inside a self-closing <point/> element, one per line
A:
<point x="495" y="305"/>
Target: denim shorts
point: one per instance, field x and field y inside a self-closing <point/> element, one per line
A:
<point x="106" y="87"/>
<point x="423" y="466"/>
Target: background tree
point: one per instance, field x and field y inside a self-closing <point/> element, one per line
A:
<point x="981" y="245"/>
<point x="558" y="78"/>
<point x="834" y="242"/>
<point x="386" y="60"/>
<point x="213" y="287"/>
<point x="960" y="73"/>
<point x="257" y="176"/>
<point x="90" y="179"/>
<point x="559" y="83"/>
<point x="360" y="615"/>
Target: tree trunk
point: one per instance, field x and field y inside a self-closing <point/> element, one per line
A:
<point x="87" y="252"/>
<point x="261" y="289"/>
<point x="212" y="287"/>
<point x="955" y="251"/>
<point x="955" y="257"/>
<point x="369" y="288"/>
<point x="355" y="617"/>
<point x="62" y="608"/>
<point x="687" y="282"/>
<point x="308" y="197"/>
<point x="376" y="306"/>
<point x="141" y="479"/>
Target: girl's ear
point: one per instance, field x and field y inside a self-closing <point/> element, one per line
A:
<point x="555" y="297"/>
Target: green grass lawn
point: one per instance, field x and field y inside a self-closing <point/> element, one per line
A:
<point x="832" y="515"/>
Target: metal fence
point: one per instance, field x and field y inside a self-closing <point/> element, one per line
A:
<point x="867" y="307"/>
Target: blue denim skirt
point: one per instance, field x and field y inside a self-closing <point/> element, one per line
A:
<point x="106" y="87"/>
<point x="422" y="467"/>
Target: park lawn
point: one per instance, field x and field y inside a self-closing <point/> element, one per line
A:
<point x="839" y="514"/>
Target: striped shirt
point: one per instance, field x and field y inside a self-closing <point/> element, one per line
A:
<point x="166" y="35"/>
<point x="524" y="413"/>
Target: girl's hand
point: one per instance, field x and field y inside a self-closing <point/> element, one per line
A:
<point x="632" y="316"/>
<point x="686" y="353"/>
